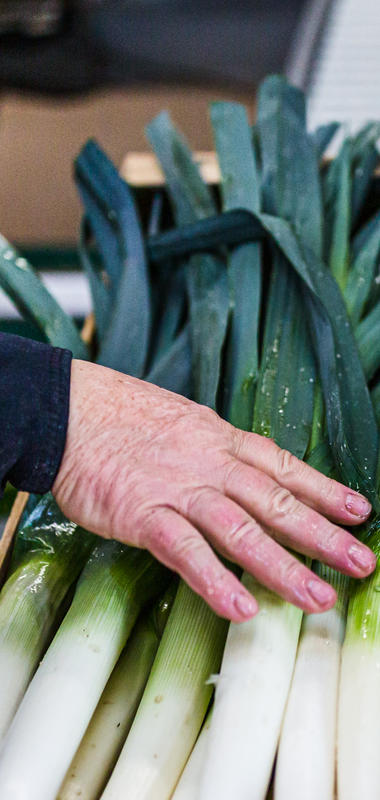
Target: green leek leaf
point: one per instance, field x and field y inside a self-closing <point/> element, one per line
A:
<point x="351" y="424"/>
<point x="285" y="397"/>
<point x="337" y="196"/>
<point x="289" y="160"/>
<point x="115" y="224"/>
<point x="240" y="189"/>
<point x="362" y="272"/>
<point x="172" y="370"/>
<point x="285" y="393"/>
<point x="323" y="135"/>
<point x="207" y="280"/>
<point x="21" y="283"/>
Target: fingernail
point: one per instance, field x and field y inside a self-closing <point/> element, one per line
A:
<point x="320" y="592"/>
<point x="357" y="505"/>
<point x="362" y="557"/>
<point x="245" y="605"/>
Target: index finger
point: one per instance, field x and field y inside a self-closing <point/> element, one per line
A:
<point x="325" y="495"/>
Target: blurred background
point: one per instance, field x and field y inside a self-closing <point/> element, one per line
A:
<point x="71" y="70"/>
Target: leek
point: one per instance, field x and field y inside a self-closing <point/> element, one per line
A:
<point x="206" y="275"/>
<point x="174" y="703"/>
<point x="112" y="215"/>
<point x="21" y="283"/>
<point x="259" y="654"/>
<point x="358" y="719"/>
<point x="251" y="693"/>
<point x="363" y="269"/>
<point x="338" y="185"/>
<point x="100" y="747"/>
<point x="240" y="189"/>
<point x="189" y="782"/>
<point x="323" y="135"/>
<point x="305" y="766"/>
<point x="64" y="692"/>
<point x="55" y="552"/>
<point x="368" y="335"/>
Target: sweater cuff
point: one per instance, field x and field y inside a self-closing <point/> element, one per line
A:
<point x="43" y="412"/>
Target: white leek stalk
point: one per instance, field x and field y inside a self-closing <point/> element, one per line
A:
<point x="174" y="703"/>
<point x="64" y="692"/>
<point x="359" y="698"/>
<point x="113" y="716"/>
<point x="52" y="553"/>
<point x="305" y="766"/>
<point x="189" y="782"/>
<point x="250" y="698"/>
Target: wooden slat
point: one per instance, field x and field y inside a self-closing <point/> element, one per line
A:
<point x="142" y="169"/>
<point x="11" y="528"/>
<point x="88" y="330"/>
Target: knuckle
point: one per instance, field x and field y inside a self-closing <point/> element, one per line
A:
<point x="161" y="538"/>
<point x="287" y="464"/>
<point x="197" y="496"/>
<point x="291" y="572"/>
<point x="281" y="502"/>
<point x="156" y="534"/>
<point x="244" y="534"/>
<point x="185" y="545"/>
<point x="238" y="438"/>
<point x="209" y="415"/>
<point x="233" y="472"/>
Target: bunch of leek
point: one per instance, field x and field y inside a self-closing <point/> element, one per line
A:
<point x="60" y="700"/>
<point x="304" y="382"/>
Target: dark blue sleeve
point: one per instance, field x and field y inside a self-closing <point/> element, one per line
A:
<point x="34" y="410"/>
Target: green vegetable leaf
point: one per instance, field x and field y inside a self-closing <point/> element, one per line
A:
<point x="291" y="186"/>
<point x="285" y="392"/>
<point x="240" y="189"/>
<point x="116" y="227"/>
<point x="100" y="293"/>
<point x="322" y="137"/>
<point x="350" y="418"/>
<point x="363" y="269"/>
<point x="367" y="336"/>
<point x="172" y="370"/>
<point x="337" y="196"/>
<point x="285" y="397"/>
<point x="207" y="280"/>
<point x="22" y="284"/>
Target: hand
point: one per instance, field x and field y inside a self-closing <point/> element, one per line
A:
<point x="155" y="470"/>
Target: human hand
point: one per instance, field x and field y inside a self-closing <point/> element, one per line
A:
<point x="155" y="470"/>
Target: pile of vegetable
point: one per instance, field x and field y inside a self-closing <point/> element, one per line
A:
<point x="262" y="302"/>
